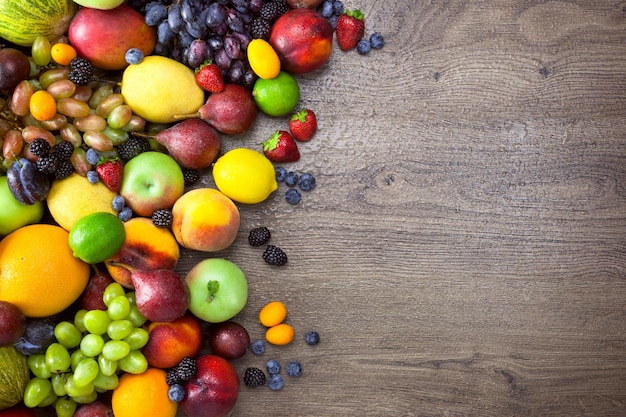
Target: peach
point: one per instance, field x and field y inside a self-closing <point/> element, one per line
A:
<point x="170" y="342"/>
<point x="206" y="220"/>
<point x="146" y="247"/>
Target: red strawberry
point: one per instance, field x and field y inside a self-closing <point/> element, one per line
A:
<point x="281" y="147"/>
<point x="303" y="125"/>
<point x="350" y="29"/>
<point x="110" y="172"/>
<point x="209" y="77"/>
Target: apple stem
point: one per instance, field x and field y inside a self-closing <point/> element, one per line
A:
<point x="187" y="116"/>
<point x="212" y="287"/>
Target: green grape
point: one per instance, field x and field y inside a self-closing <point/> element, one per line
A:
<point x="76" y="357"/>
<point x="37" y="389"/>
<point x="79" y="320"/>
<point x="37" y="365"/>
<point x="119" y="308"/>
<point x="40" y="51"/>
<point x="117" y="136"/>
<point x="96" y="321"/>
<point x="106" y="382"/>
<point x="119" y="116"/>
<point x="119" y="329"/>
<point x="58" y="384"/>
<point x="135" y="315"/>
<point x="114" y="350"/>
<point x="86" y="371"/>
<point x="65" y="407"/>
<point x="49" y="400"/>
<point x="57" y="358"/>
<point x="112" y="291"/>
<point x="92" y="344"/>
<point x="67" y="334"/>
<point x="87" y="398"/>
<point x="107" y="367"/>
<point x="74" y="390"/>
<point x="133" y="363"/>
<point x="137" y="339"/>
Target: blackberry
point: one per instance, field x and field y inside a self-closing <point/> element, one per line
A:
<point x="294" y="368"/>
<point x="162" y="218"/>
<point x="132" y="147"/>
<point x="253" y="377"/>
<point x="191" y="176"/>
<point x="270" y="11"/>
<point x="312" y="338"/>
<point x="63" y="150"/>
<point x="182" y="372"/>
<point x="64" y="170"/>
<point x="274" y="255"/>
<point x="282" y="7"/>
<point x="260" y="29"/>
<point x="259" y="236"/>
<point x="81" y="71"/>
<point x="39" y="147"/>
<point x="47" y="164"/>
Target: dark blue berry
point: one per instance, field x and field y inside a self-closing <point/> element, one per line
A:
<point x="306" y="182"/>
<point x="125" y="214"/>
<point x="176" y="393"/>
<point x="92" y="177"/>
<point x="338" y="8"/>
<point x="333" y="21"/>
<point x="293" y="196"/>
<point x="118" y="203"/>
<point x="92" y="156"/>
<point x="281" y="173"/>
<point x="312" y="337"/>
<point x="257" y="347"/>
<point x="273" y="366"/>
<point x="364" y="46"/>
<point x="291" y="179"/>
<point x="276" y="382"/>
<point x="294" y="368"/>
<point x="327" y="9"/>
<point x="134" y="56"/>
<point x="376" y="40"/>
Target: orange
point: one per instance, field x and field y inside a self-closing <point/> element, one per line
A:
<point x="143" y="394"/>
<point x="38" y="272"/>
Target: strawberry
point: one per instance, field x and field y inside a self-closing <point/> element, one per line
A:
<point x="350" y="29"/>
<point x="281" y="147"/>
<point x="110" y="172"/>
<point x="209" y="77"/>
<point x="303" y="125"/>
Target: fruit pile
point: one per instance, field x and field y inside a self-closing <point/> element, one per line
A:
<point x="99" y="192"/>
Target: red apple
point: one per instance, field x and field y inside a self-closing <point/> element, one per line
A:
<point x="104" y="36"/>
<point x="213" y="391"/>
<point x="172" y="341"/>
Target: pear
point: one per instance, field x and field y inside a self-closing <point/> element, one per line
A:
<point x="193" y="143"/>
<point x="161" y="295"/>
<point x="231" y="111"/>
<point x="158" y="88"/>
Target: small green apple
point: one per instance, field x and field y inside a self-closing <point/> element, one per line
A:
<point x="15" y="214"/>
<point x="218" y="290"/>
<point x="100" y="4"/>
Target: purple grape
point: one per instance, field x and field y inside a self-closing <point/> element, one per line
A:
<point x="165" y="33"/>
<point x="196" y="53"/>
<point x="196" y="30"/>
<point x="236" y="71"/>
<point x="215" y="42"/>
<point x="234" y="22"/>
<point x="222" y="59"/>
<point x="174" y="19"/>
<point x="221" y="29"/>
<point x="156" y="15"/>
<point x="232" y="46"/>
<point x="255" y="5"/>
<point x="249" y="78"/>
<point x="243" y="38"/>
<point x="185" y="38"/>
<point x="216" y="14"/>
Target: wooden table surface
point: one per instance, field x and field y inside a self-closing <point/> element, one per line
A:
<point x="463" y="253"/>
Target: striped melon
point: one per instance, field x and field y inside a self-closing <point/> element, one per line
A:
<point x="21" y="21"/>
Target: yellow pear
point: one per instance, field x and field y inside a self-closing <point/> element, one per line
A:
<point x="158" y="88"/>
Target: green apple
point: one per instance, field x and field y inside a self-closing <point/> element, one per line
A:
<point x="15" y="214"/>
<point x="218" y="290"/>
<point x="152" y="180"/>
<point x="100" y="4"/>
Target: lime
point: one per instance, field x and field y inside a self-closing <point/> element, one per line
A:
<point x="245" y="176"/>
<point x="276" y="96"/>
<point x="96" y="237"/>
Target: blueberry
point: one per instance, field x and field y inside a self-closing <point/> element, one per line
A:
<point x="118" y="203"/>
<point x="176" y="393"/>
<point x="273" y="366"/>
<point x="92" y="156"/>
<point x="276" y="382"/>
<point x="312" y="337"/>
<point x="364" y="46"/>
<point x="306" y="182"/>
<point x="291" y="179"/>
<point x="92" y="177"/>
<point x="376" y="40"/>
<point x="293" y="196"/>
<point x="281" y="173"/>
<point x="333" y="21"/>
<point x="338" y="8"/>
<point x="294" y="368"/>
<point x="257" y="347"/>
<point x="327" y="9"/>
<point x="134" y="56"/>
<point x="125" y="214"/>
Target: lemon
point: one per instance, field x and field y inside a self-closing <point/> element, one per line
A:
<point x="245" y="176"/>
<point x="72" y="198"/>
<point x="262" y="58"/>
<point x="96" y="237"/>
<point x="276" y="96"/>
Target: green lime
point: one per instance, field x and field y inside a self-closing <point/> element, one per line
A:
<point x="276" y="96"/>
<point x="96" y="237"/>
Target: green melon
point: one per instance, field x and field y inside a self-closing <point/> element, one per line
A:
<point x="21" y="21"/>
<point x="14" y="375"/>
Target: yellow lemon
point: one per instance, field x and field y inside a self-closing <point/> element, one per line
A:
<point x="263" y="60"/>
<point x="74" y="197"/>
<point x="245" y="175"/>
<point x="97" y="236"/>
